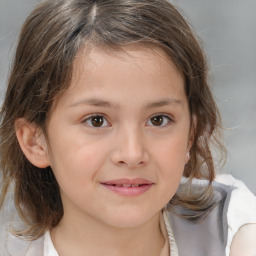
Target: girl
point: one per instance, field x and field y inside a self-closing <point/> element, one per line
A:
<point x="105" y="136"/>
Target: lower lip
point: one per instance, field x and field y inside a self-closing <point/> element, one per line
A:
<point x="129" y="191"/>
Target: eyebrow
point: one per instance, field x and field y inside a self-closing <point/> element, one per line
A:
<point x="94" y="102"/>
<point x="164" y="102"/>
<point x="107" y="104"/>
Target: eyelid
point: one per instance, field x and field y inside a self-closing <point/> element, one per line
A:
<point x="169" y="116"/>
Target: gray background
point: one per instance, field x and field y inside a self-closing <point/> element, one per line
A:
<point x="228" y="31"/>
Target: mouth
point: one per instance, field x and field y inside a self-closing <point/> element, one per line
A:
<point x="128" y="187"/>
<point x="125" y="185"/>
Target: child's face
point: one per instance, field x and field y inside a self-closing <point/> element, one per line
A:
<point x="124" y="120"/>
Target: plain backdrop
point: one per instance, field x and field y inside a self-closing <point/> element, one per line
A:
<point x="228" y="32"/>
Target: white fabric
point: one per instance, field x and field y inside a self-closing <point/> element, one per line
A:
<point x="49" y="249"/>
<point x="172" y="244"/>
<point x="242" y="206"/>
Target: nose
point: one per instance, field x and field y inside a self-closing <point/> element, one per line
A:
<point x="130" y="149"/>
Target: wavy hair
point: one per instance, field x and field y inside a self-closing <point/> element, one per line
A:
<point x="49" y="41"/>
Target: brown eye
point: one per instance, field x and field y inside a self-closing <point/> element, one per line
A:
<point x="157" y="120"/>
<point x="97" y="121"/>
<point x="160" y="121"/>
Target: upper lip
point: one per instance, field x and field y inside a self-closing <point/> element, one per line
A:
<point x="136" y="181"/>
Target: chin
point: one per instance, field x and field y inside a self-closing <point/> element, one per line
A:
<point x="129" y="220"/>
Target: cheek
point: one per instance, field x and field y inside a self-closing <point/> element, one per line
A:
<point x="171" y="163"/>
<point x="172" y="152"/>
<point x="77" y="161"/>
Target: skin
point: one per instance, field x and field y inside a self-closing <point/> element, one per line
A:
<point x="127" y="89"/>
<point x="244" y="242"/>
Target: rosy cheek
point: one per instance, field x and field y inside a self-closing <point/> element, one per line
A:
<point x="172" y="158"/>
<point x="175" y="148"/>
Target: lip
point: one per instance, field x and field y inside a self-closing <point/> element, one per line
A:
<point x="128" y="187"/>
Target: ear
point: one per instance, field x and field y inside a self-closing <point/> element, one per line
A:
<point x="187" y="157"/>
<point x="32" y="142"/>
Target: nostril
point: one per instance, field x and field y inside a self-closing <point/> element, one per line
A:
<point x="141" y="163"/>
<point x="121" y="163"/>
<point x="130" y="165"/>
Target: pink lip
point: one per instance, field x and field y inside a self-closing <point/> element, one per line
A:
<point x="128" y="187"/>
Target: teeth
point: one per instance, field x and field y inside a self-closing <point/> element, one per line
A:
<point x="127" y="185"/>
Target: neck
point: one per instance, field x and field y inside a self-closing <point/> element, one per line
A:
<point x="75" y="236"/>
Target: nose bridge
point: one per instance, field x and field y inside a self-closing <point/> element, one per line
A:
<point x="130" y="149"/>
<point x="133" y="140"/>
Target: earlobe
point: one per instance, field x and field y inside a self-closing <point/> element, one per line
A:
<point x="187" y="157"/>
<point x="32" y="143"/>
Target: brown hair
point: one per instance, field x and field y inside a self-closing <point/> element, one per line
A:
<point x="42" y="69"/>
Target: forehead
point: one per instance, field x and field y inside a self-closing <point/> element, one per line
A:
<point x="146" y="58"/>
<point x="124" y="71"/>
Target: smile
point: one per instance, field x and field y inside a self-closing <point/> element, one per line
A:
<point x="128" y="187"/>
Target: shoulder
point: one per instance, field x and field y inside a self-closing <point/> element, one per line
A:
<point x="201" y="231"/>
<point x="243" y="242"/>
<point x="241" y="218"/>
<point x="242" y="205"/>
<point x="235" y="209"/>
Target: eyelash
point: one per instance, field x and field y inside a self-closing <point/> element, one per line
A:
<point x="166" y="120"/>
